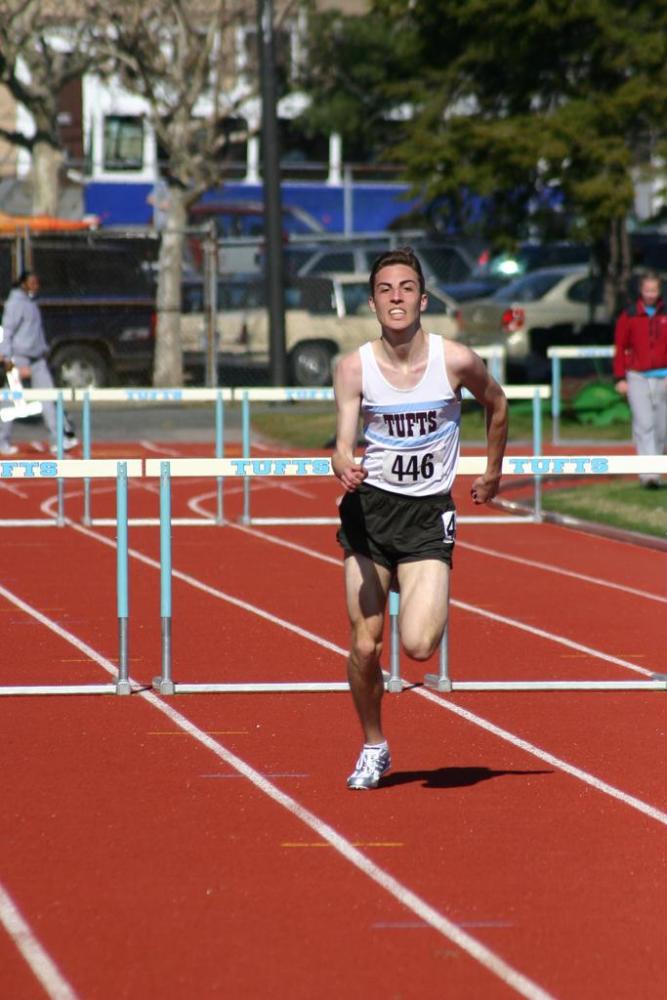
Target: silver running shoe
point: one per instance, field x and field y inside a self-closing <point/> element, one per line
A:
<point x="372" y="764"/>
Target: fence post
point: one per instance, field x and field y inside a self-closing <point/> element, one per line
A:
<point x="211" y="304"/>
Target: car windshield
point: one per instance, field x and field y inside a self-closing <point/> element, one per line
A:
<point x="528" y="289"/>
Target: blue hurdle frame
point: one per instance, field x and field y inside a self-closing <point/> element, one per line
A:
<point x="532" y="465"/>
<point x="77" y="469"/>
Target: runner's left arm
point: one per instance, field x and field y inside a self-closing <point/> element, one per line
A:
<point x="471" y="373"/>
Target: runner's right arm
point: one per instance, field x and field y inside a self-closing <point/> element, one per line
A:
<point x="347" y="392"/>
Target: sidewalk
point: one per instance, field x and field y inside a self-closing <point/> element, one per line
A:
<point x="157" y="422"/>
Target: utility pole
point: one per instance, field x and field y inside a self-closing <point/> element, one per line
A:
<point x="275" y="291"/>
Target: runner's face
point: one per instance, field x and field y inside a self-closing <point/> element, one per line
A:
<point x="397" y="300"/>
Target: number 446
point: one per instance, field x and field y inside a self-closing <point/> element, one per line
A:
<point x="413" y="468"/>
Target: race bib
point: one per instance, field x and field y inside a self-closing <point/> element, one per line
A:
<point x="449" y="527"/>
<point x="407" y="468"/>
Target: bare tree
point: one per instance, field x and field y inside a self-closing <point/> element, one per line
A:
<point x="41" y="49"/>
<point x="172" y="53"/>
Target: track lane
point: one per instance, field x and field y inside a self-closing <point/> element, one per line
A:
<point x="335" y="763"/>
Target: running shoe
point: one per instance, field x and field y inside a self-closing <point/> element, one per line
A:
<point x="8" y="449"/>
<point x="68" y="444"/>
<point x="372" y="764"/>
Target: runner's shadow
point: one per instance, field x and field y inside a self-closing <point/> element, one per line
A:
<point x="450" y="777"/>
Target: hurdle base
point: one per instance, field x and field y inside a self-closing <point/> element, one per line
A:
<point x="394" y="685"/>
<point x="163" y="686"/>
<point x="123" y="687"/>
<point x="437" y="683"/>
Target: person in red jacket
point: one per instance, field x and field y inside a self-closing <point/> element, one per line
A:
<point x="640" y="369"/>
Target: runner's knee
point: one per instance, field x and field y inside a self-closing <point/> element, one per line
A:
<point x="420" y="646"/>
<point x="365" y="648"/>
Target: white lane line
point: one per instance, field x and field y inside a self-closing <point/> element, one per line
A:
<point x="159" y="449"/>
<point x="524" y="986"/>
<point x="501" y="619"/>
<point x="598" y="581"/>
<point x="410" y="900"/>
<point x="215" y="592"/>
<point x="282" y="623"/>
<point x="570" y="769"/>
<point x="552" y="637"/>
<point x="199" y="501"/>
<point x="12" y="488"/>
<point x="40" y="963"/>
<point x="544" y="755"/>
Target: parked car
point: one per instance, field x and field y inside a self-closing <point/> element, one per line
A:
<point x="239" y="228"/>
<point x="492" y="271"/>
<point x="441" y="262"/>
<point x="556" y="305"/>
<point x="533" y="256"/>
<point x="97" y="305"/>
<point x="323" y="316"/>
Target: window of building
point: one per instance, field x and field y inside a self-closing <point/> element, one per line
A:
<point x="286" y="51"/>
<point x="123" y="142"/>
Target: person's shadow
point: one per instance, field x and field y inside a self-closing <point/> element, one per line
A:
<point x="450" y="777"/>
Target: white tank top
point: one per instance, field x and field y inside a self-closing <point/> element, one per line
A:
<point x="412" y="435"/>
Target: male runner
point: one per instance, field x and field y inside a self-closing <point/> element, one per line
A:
<point x="397" y="515"/>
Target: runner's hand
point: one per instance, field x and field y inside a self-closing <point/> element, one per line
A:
<point x="484" y="489"/>
<point x="351" y="476"/>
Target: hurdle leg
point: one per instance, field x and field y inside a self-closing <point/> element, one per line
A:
<point x="123" y="683"/>
<point x="555" y="399"/>
<point x="219" y="453"/>
<point x="245" y="434"/>
<point x="394" y="683"/>
<point x="164" y="683"/>
<point x="60" y="431"/>
<point x="441" y="681"/>
<point x="85" y="431"/>
<point x="537" y="449"/>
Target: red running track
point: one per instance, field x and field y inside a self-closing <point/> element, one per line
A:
<point x="206" y="846"/>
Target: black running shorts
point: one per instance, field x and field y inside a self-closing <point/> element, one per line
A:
<point x="391" y="529"/>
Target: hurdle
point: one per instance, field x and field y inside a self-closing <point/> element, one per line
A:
<point x="536" y="393"/>
<point x="213" y="467"/>
<point x="22" y="399"/>
<point x="60" y="469"/>
<point x="274" y="395"/>
<point x="557" y="355"/>
<point x="552" y="466"/>
<point x="517" y="466"/>
<point x="152" y="396"/>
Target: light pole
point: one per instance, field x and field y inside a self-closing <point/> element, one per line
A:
<point x="275" y="293"/>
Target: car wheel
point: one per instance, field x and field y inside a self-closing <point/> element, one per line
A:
<point x="310" y="364"/>
<point x="80" y="367"/>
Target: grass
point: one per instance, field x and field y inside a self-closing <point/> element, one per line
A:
<point x="313" y="425"/>
<point x="622" y="504"/>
